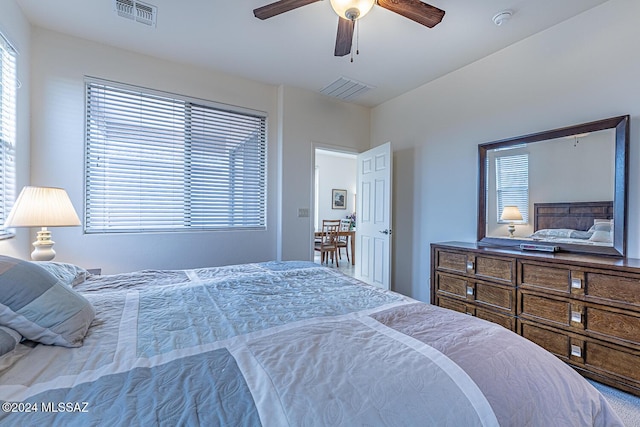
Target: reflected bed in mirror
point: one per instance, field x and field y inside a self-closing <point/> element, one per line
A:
<point x="569" y="186"/>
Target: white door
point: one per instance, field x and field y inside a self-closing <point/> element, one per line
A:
<point x="373" y="231"/>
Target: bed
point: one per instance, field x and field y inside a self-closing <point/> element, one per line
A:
<point x="584" y="223"/>
<point x="273" y="344"/>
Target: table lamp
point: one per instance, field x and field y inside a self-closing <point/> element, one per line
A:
<point x="42" y="207"/>
<point x="511" y="213"/>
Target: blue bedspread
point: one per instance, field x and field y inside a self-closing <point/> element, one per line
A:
<point x="272" y="344"/>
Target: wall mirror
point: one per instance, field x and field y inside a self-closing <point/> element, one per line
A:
<point x="565" y="188"/>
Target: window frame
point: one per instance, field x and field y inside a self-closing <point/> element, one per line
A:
<point x="253" y="190"/>
<point x="8" y="130"/>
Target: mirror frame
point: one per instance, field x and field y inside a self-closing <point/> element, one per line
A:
<point x="620" y="196"/>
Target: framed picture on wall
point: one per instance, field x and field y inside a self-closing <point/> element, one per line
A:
<point x="338" y="199"/>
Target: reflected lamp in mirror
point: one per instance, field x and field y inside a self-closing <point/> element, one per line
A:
<point x="511" y="213"/>
<point x="42" y="207"/>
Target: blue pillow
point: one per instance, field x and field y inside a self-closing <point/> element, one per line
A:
<point x="9" y="339"/>
<point x="40" y="307"/>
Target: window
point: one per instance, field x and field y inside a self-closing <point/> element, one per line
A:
<point x="162" y="162"/>
<point x="512" y="184"/>
<point x="8" y="88"/>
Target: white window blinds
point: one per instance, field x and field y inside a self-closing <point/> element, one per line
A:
<point x="160" y="162"/>
<point x="512" y="184"/>
<point x="8" y="88"/>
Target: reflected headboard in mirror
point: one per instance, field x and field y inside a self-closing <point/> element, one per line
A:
<point x="567" y="215"/>
<point x="581" y="168"/>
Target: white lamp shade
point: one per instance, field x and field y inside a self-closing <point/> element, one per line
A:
<point x="342" y="6"/>
<point x="511" y="213"/>
<point x="42" y="207"/>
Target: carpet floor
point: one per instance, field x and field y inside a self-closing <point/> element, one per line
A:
<point x="626" y="405"/>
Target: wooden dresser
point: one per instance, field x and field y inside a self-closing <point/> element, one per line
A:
<point x="585" y="309"/>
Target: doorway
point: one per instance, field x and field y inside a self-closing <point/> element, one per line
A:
<point x="335" y="174"/>
<point x="372" y="209"/>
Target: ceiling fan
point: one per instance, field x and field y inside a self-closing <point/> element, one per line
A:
<point x="351" y="10"/>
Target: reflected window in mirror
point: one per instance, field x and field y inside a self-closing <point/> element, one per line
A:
<point x="511" y="187"/>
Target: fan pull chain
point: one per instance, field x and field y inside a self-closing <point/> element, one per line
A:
<point x="357" y="29"/>
<point x="358" y="39"/>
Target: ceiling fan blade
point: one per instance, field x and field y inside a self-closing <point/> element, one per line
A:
<point x="415" y="10"/>
<point x="344" y="37"/>
<point x="279" y="7"/>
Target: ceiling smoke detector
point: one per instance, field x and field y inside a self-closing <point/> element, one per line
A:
<point x="502" y="17"/>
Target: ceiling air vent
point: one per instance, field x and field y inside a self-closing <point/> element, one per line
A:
<point x="136" y="10"/>
<point x="345" y="89"/>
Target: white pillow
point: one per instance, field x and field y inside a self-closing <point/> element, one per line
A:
<point x="601" y="236"/>
<point x="602" y="225"/>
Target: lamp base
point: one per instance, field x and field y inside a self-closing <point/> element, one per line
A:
<point x="43" y="246"/>
<point x="512" y="229"/>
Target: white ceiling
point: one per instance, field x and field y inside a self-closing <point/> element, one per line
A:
<point x="296" y="48"/>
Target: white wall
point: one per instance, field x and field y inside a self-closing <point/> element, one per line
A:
<point x="312" y="121"/>
<point x="581" y="70"/>
<point x="335" y="172"/>
<point x="15" y="27"/>
<point x="56" y="116"/>
<point x="59" y="64"/>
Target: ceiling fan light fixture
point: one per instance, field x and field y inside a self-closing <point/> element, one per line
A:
<point x="352" y="9"/>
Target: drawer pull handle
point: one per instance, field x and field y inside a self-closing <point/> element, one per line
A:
<point x="576" y="316"/>
<point x="576" y="283"/>
<point x="469" y="290"/>
<point x="469" y="265"/>
<point x="576" y="351"/>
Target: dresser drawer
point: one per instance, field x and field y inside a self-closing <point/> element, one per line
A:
<point x="495" y="296"/>
<point x="455" y="286"/>
<point x="482" y="293"/>
<point x="505" y="320"/>
<point x="455" y="305"/>
<point x="613" y="360"/>
<point x="545" y="277"/>
<point x="611" y="288"/>
<point x="552" y="341"/>
<point x="475" y="265"/>
<point x="451" y="261"/>
<point x="613" y="325"/>
<point x="546" y="310"/>
<point x="498" y="269"/>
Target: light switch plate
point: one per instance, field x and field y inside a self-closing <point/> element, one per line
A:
<point x="303" y="212"/>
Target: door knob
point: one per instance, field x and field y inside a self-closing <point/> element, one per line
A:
<point x="387" y="232"/>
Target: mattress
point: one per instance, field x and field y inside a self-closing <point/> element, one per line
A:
<point x="286" y="344"/>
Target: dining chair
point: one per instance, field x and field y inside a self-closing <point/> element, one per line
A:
<point x="343" y="241"/>
<point x="328" y="243"/>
